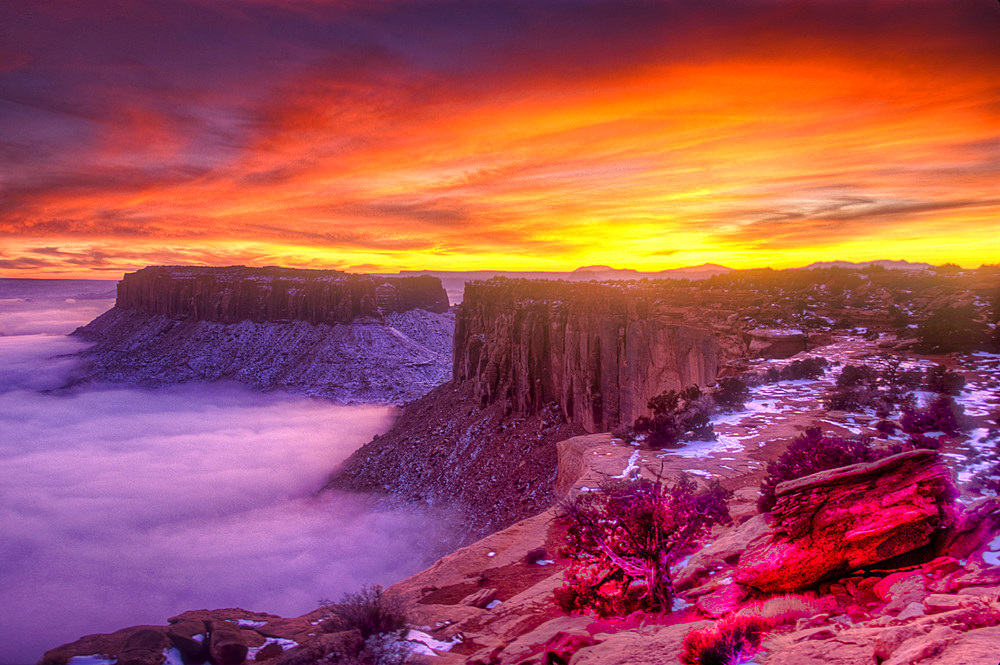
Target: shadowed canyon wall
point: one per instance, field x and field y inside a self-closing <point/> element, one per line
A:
<point x="600" y="351"/>
<point x="237" y="293"/>
<point x="351" y="338"/>
<point x="534" y="363"/>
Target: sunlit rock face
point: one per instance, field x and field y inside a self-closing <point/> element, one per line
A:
<point x="600" y="351"/>
<point x="848" y="518"/>
<point x="237" y="293"/>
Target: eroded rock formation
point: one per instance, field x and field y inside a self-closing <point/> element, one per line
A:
<point x="352" y="338"/>
<point x="238" y="293"/>
<point x="600" y="351"/>
<point x="534" y="363"/>
<point x="845" y="519"/>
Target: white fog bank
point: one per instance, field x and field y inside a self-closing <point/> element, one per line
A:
<point x="122" y="506"/>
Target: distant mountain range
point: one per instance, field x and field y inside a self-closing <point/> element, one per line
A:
<point x="887" y="264"/>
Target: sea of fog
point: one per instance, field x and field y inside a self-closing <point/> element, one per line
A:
<point x="123" y="506"/>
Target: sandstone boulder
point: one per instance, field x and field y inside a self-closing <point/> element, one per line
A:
<point x="565" y="635"/>
<point x="189" y="637"/>
<point x="226" y="643"/>
<point x="662" y="645"/>
<point x="976" y="647"/>
<point x="772" y="343"/>
<point x="921" y="647"/>
<point x="722" y="552"/>
<point x="144" y="647"/>
<point x="836" y="521"/>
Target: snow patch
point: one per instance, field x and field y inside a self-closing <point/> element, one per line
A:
<point x="285" y="645"/>
<point x="94" y="659"/>
<point x="632" y="468"/>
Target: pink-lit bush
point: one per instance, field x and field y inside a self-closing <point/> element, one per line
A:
<point x="676" y="415"/>
<point x="626" y="535"/>
<point x="725" y="643"/>
<point x="941" y="415"/>
<point x="810" y="453"/>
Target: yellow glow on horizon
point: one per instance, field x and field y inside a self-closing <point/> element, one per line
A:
<point x="747" y="164"/>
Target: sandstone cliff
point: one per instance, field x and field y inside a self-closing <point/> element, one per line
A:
<point x="535" y="362"/>
<point x="238" y="293"/>
<point x="352" y="338"/>
<point x="600" y="351"/>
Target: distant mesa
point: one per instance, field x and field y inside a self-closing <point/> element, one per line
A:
<point x="351" y="338"/>
<point x="237" y="293"/>
<point x="884" y="263"/>
<point x="596" y="269"/>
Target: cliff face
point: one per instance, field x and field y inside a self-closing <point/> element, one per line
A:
<point x="352" y="338"/>
<point x="237" y="293"/>
<point x="599" y="351"/>
<point x="535" y="362"/>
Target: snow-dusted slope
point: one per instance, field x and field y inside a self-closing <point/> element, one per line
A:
<point x="387" y="362"/>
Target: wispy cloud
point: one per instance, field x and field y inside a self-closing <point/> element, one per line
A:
<point x="420" y="128"/>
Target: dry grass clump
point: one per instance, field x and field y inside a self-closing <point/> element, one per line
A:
<point x="728" y="642"/>
<point x="739" y="635"/>
<point x="782" y="610"/>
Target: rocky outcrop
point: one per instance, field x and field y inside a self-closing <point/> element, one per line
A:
<point x="599" y="351"/>
<point x="535" y="363"/>
<point x="777" y="343"/>
<point x="351" y="338"/>
<point x="238" y="293"/>
<point x="848" y="518"/>
<point x="446" y="450"/>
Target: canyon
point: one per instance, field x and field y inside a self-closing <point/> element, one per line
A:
<point x="894" y="560"/>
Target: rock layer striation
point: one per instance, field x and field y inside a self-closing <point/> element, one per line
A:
<point x="848" y="518"/>
<point x="352" y="338"/>
<point x="600" y="351"/>
<point x="238" y="293"/>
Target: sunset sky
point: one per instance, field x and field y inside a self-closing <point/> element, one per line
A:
<point x="378" y="135"/>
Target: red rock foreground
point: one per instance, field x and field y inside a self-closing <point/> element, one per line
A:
<point x="845" y="519"/>
<point x="491" y="603"/>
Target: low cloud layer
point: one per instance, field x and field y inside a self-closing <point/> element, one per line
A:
<point x="127" y="506"/>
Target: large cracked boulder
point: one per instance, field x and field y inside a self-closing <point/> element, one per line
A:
<point x="836" y="521"/>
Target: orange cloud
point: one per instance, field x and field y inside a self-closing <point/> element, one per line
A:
<point x="786" y="136"/>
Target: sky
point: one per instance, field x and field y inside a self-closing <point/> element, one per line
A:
<point x="379" y="135"/>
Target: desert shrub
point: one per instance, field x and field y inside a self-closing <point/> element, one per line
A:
<point x="940" y="379"/>
<point x="941" y="415"/>
<point x="725" y="643"/>
<point x="731" y="393"/>
<point x="860" y="387"/>
<point x="886" y="427"/>
<point x="676" y="415"/>
<point x="808" y="368"/>
<point x="625" y="536"/>
<point x="854" y="375"/>
<point x="850" y="399"/>
<point x="987" y="480"/>
<point x="952" y="329"/>
<point x="382" y="649"/>
<point x="369" y="611"/>
<point x="917" y="441"/>
<point x="810" y="453"/>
